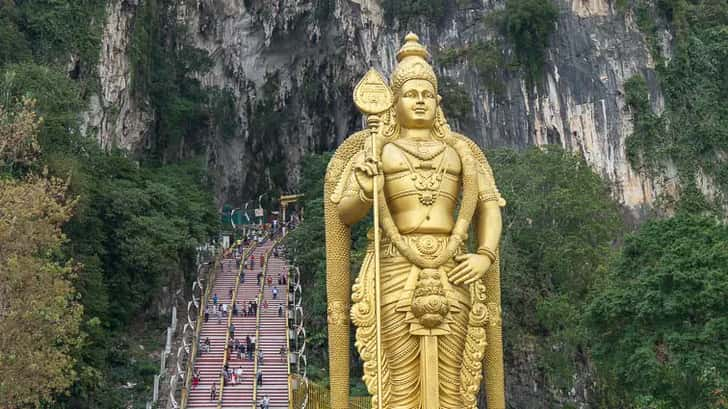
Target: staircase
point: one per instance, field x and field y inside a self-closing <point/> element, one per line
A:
<point x="271" y="337"/>
<point x="273" y="332"/>
<point x="241" y="394"/>
<point x="210" y="363"/>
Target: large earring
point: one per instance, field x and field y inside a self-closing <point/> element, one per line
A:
<point x="391" y="126"/>
<point x="440" y="128"/>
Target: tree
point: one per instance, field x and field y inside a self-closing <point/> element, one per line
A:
<point x="659" y="324"/>
<point x="39" y="312"/>
<point x="529" y="24"/>
<point x="18" y="135"/>
<point x="308" y="253"/>
<point x="558" y="230"/>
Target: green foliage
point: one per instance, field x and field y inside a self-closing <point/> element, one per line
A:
<point x="659" y="323"/>
<point x="406" y="10"/>
<point x="40" y="315"/>
<point x="485" y="56"/>
<point x="51" y="32"/>
<point x="135" y="229"/>
<point x="560" y="223"/>
<point x="528" y="24"/>
<point x="164" y="69"/>
<point x="456" y="102"/>
<point x="309" y="255"/>
<point x="139" y="225"/>
<point x="14" y="47"/>
<point x="56" y="28"/>
<point x="307" y="252"/>
<point x="646" y="145"/>
<point x="224" y="112"/>
<point x="448" y="57"/>
<point x="692" y="132"/>
<point x="488" y="59"/>
<point x="58" y="97"/>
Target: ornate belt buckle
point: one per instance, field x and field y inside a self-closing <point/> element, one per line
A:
<point x="428" y="246"/>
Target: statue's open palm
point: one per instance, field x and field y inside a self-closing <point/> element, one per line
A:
<point x="470" y="269"/>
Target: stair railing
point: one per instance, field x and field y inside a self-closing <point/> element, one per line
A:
<point x="201" y="305"/>
<point x="288" y="341"/>
<point x="261" y="292"/>
<point x="226" y="352"/>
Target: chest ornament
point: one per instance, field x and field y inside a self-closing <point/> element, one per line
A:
<point x="426" y="177"/>
<point x="422" y="150"/>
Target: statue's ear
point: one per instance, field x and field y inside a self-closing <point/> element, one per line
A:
<point x="439" y="99"/>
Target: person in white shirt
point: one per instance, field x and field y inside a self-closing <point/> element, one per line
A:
<point x="239" y="374"/>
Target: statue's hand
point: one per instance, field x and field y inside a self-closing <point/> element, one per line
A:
<point x="365" y="172"/>
<point x="471" y="268"/>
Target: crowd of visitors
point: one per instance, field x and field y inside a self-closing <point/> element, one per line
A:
<point x="242" y="348"/>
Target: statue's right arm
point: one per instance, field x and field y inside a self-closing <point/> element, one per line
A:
<point x="354" y="204"/>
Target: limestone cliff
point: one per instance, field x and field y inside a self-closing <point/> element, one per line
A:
<point x="291" y="65"/>
<point x="119" y="118"/>
<point x="303" y="57"/>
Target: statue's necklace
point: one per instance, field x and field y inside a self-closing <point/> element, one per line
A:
<point x="426" y="179"/>
<point x="423" y="150"/>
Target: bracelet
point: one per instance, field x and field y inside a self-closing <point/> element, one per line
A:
<point x="485" y="251"/>
<point x="364" y="197"/>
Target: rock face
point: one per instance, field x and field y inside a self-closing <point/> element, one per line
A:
<point x="118" y="117"/>
<point x="291" y="66"/>
<point x="295" y="62"/>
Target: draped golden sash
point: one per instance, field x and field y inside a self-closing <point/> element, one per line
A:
<point x="400" y="332"/>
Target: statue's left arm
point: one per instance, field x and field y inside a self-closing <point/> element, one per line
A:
<point x="488" y="228"/>
<point x="488" y="225"/>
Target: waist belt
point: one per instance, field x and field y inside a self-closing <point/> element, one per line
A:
<point x="427" y="245"/>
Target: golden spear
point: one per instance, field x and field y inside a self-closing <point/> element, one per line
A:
<point x="373" y="97"/>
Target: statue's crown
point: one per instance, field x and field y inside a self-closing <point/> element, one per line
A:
<point x="412" y="64"/>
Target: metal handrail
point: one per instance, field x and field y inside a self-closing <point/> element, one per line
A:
<point x="197" y="328"/>
<point x="257" y="323"/>
<point x="315" y="396"/>
<point x="288" y="343"/>
<point x="226" y="350"/>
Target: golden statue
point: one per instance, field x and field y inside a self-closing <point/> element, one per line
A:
<point x="427" y="312"/>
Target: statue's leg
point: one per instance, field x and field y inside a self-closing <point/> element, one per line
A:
<point x="400" y="348"/>
<point x="451" y="354"/>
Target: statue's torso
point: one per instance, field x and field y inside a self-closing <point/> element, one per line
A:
<point x="408" y="204"/>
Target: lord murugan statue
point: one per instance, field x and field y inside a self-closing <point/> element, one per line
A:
<point x="427" y="311"/>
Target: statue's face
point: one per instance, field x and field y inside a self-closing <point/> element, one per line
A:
<point x="417" y="104"/>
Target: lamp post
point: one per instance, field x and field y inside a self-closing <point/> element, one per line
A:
<point x="260" y="206"/>
<point x="232" y="221"/>
<point x="232" y="218"/>
<point x="245" y="210"/>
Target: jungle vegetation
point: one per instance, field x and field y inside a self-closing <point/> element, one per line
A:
<point x="641" y="309"/>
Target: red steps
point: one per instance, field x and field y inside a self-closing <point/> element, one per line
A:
<point x="272" y="336"/>
<point x="209" y="364"/>
<point x="241" y="394"/>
